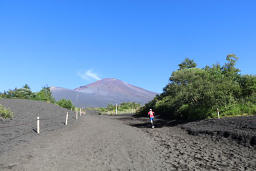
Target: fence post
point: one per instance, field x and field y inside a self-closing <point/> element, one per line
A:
<point x="76" y="114"/>
<point x="80" y="111"/>
<point x="218" y="113"/>
<point x="38" y="125"/>
<point x="66" y="119"/>
<point x="116" y="109"/>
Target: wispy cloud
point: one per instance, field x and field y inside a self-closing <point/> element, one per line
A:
<point x="89" y="75"/>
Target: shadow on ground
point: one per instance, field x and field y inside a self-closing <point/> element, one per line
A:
<point x="144" y="122"/>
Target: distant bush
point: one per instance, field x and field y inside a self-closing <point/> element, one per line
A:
<point x="22" y="93"/>
<point x="5" y="113"/>
<point x="25" y="93"/>
<point x="45" y="95"/>
<point x="128" y="107"/>
<point x="65" y="104"/>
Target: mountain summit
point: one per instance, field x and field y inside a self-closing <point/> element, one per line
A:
<point x="104" y="92"/>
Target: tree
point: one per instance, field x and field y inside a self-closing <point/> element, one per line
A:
<point x="26" y="86"/>
<point x="45" y="95"/>
<point x="248" y="85"/>
<point x="23" y="93"/>
<point x="195" y="93"/>
<point x="65" y="104"/>
<point x="187" y="63"/>
<point x="229" y="68"/>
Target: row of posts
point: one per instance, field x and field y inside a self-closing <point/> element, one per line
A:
<point x="66" y="121"/>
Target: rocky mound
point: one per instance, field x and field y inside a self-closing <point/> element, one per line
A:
<point x="240" y="129"/>
<point x="22" y="127"/>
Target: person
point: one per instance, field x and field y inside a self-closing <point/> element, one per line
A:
<point x="151" y="116"/>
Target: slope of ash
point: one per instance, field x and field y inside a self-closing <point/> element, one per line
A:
<point x="22" y="127"/>
<point x="240" y="129"/>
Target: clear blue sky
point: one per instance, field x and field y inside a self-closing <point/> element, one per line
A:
<point x="73" y="43"/>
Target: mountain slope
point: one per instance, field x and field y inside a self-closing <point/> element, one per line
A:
<point x="103" y="92"/>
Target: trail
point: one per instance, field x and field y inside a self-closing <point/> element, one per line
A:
<point x="92" y="143"/>
<point x="95" y="142"/>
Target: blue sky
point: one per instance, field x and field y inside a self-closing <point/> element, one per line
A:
<point x="73" y="43"/>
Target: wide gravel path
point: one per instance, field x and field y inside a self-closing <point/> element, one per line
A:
<point x="91" y="143"/>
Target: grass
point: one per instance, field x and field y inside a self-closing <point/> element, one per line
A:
<point x="5" y="113"/>
<point x="127" y="111"/>
<point x="104" y="111"/>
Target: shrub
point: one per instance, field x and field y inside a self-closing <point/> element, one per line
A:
<point x="65" y="104"/>
<point x="22" y="93"/>
<point x="45" y="95"/>
<point x="127" y="107"/>
<point x="5" y="113"/>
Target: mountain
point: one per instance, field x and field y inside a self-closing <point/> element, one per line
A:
<point x="103" y="92"/>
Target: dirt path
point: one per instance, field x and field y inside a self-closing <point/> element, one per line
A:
<point x="93" y="143"/>
<point x="125" y="143"/>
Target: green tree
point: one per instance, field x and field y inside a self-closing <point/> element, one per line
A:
<point x="248" y="85"/>
<point x="187" y="63"/>
<point x="65" y="104"/>
<point x="45" y="95"/>
<point x="26" y="86"/>
<point x="229" y="68"/>
<point x="195" y="93"/>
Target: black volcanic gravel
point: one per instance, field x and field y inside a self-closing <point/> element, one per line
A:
<point x="23" y="125"/>
<point x="183" y="151"/>
<point x="240" y="129"/>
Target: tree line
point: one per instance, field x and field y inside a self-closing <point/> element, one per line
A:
<point x="43" y="95"/>
<point x="197" y="93"/>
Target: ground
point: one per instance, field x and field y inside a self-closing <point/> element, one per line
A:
<point x="96" y="142"/>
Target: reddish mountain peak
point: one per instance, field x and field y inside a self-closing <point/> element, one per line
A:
<point x="112" y="86"/>
<point x="105" y="91"/>
<point x="102" y="83"/>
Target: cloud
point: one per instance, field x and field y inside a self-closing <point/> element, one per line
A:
<point x="89" y="75"/>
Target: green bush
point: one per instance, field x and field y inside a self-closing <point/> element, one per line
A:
<point x="22" y="93"/>
<point x="5" y="113"/>
<point x="45" y="95"/>
<point x="25" y="93"/>
<point x="128" y="107"/>
<point x="65" y="104"/>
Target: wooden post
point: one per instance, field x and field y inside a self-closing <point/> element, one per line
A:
<point x="76" y="114"/>
<point x="116" y="109"/>
<point x="38" y="125"/>
<point x="218" y="113"/>
<point x="66" y="119"/>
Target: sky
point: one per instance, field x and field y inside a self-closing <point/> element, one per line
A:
<point x="70" y="43"/>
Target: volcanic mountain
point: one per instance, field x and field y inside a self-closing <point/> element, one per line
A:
<point x="103" y="92"/>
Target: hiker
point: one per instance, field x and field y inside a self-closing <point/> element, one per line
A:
<point x="151" y="116"/>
